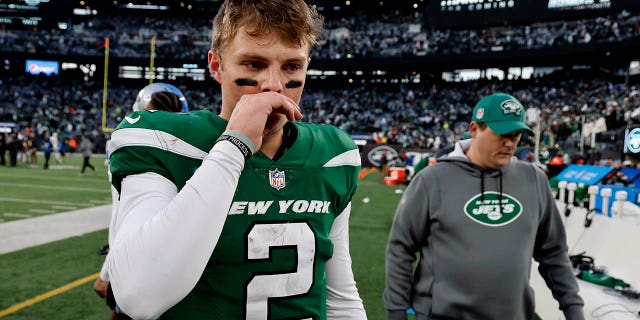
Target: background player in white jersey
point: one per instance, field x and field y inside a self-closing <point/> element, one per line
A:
<point x="157" y="96"/>
<point x="242" y="215"/>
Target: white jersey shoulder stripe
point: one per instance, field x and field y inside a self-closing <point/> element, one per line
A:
<point x="347" y="158"/>
<point x="128" y="137"/>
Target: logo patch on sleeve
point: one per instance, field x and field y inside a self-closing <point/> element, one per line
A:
<point x="488" y="212"/>
<point x="132" y="120"/>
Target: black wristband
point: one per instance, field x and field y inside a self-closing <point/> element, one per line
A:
<point x="110" y="298"/>
<point x="243" y="147"/>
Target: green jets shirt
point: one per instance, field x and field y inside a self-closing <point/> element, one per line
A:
<point x="269" y="262"/>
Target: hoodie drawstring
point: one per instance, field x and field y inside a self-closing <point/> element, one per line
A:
<point x="500" y="198"/>
<point x="481" y="186"/>
<point x="482" y="190"/>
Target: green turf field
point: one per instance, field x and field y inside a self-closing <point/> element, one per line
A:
<point x="30" y="191"/>
<point x="35" y="271"/>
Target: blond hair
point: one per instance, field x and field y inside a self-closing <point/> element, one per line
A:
<point x="294" y="20"/>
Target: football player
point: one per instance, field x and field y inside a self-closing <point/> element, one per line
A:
<point x="241" y="215"/>
<point x="161" y="96"/>
<point x="157" y="96"/>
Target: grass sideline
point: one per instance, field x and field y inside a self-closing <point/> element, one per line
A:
<point x="30" y="191"/>
<point x="34" y="271"/>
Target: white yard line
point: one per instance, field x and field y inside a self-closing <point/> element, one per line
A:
<point x="17" y="215"/>
<point x="31" y="186"/>
<point x="24" y="176"/>
<point x="62" y="203"/>
<point x="41" y="211"/>
<point x="25" y="233"/>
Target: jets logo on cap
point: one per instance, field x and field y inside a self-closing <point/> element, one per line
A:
<point x="276" y="179"/>
<point x="487" y="212"/>
<point x="511" y="106"/>
<point x="633" y="141"/>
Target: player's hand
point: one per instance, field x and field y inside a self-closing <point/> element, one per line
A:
<point x="256" y="115"/>
<point x="100" y="287"/>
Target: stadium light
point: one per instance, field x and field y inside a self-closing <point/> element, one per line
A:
<point x="144" y="6"/>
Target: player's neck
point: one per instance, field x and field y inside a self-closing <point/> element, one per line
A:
<point x="271" y="143"/>
<point x="287" y="137"/>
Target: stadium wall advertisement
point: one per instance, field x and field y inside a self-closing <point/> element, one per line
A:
<point x="465" y="13"/>
<point x="36" y="67"/>
<point x="8" y="127"/>
<point x="371" y="154"/>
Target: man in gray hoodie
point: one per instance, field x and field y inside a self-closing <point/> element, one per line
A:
<point x="477" y="218"/>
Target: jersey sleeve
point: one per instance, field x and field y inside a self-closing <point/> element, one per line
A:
<point x="341" y="157"/>
<point x="169" y="144"/>
<point x="163" y="238"/>
<point x="343" y="299"/>
<point x="408" y="233"/>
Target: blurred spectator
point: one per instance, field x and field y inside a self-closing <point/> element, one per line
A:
<point x="32" y="147"/>
<point x="14" y="146"/>
<point x="86" y="148"/>
<point x="47" y="148"/>
<point x="3" y="149"/>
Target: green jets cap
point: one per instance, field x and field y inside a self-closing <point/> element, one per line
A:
<point x="502" y="113"/>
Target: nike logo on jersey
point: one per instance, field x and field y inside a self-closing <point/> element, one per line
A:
<point x="285" y="206"/>
<point x="132" y="120"/>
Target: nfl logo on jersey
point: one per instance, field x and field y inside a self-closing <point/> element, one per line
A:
<point x="276" y="179"/>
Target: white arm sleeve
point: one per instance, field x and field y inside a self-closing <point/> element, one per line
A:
<point x="343" y="300"/>
<point x="162" y="239"/>
<point x="104" y="274"/>
<point x="115" y="202"/>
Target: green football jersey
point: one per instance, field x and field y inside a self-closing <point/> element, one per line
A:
<point x="270" y="258"/>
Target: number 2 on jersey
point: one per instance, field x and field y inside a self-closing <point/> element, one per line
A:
<point x="260" y="239"/>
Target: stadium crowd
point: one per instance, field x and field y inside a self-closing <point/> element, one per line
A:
<point x="425" y="115"/>
<point x="428" y="116"/>
<point x="383" y="36"/>
<point x="187" y="38"/>
<point x="176" y="38"/>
